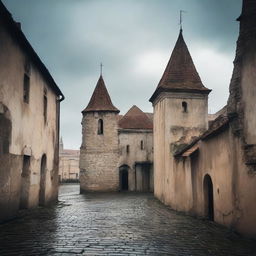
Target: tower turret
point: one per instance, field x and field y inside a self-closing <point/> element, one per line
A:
<point x="180" y="104"/>
<point x="99" y="149"/>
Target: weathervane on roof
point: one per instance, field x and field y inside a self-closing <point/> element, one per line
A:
<point x="101" y="65"/>
<point x="181" y="11"/>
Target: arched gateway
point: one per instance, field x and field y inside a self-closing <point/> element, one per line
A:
<point x="124" y="177"/>
<point x="208" y="197"/>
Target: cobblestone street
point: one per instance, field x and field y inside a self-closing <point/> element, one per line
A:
<point x="115" y="224"/>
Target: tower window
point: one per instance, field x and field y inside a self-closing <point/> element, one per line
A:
<point x="127" y="149"/>
<point x="100" y="126"/>
<point x="185" y="106"/>
<point x="141" y="144"/>
<point x="26" y="88"/>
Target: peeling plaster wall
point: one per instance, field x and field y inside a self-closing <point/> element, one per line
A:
<point x="30" y="135"/>
<point x="173" y="128"/>
<point x="135" y="155"/>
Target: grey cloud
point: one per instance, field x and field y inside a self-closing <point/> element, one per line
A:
<point x="73" y="37"/>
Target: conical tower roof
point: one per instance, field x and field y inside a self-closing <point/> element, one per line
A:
<point x="100" y="100"/>
<point x="135" y="119"/>
<point x="180" y="73"/>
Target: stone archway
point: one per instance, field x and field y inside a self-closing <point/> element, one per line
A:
<point x="42" y="181"/>
<point x="208" y="197"/>
<point x="124" y="178"/>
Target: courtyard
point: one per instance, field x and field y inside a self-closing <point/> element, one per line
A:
<point x="115" y="224"/>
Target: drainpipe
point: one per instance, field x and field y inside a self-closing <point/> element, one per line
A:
<point x="58" y="101"/>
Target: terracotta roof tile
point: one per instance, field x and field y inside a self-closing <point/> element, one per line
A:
<point x="135" y="119"/>
<point x="70" y="152"/>
<point x="100" y="100"/>
<point x="180" y="73"/>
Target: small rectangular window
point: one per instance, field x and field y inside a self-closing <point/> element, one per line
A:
<point x="26" y="88"/>
<point x="45" y="106"/>
<point x="127" y="149"/>
<point x="141" y="144"/>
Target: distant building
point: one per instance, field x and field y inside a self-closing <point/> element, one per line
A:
<point x="29" y="123"/>
<point x="68" y="164"/>
<point x="116" y="151"/>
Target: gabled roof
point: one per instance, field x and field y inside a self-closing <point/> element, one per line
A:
<point x="100" y="100"/>
<point x="135" y="119"/>
<point x="180" y="73"/>
<point x="20" y="38"/>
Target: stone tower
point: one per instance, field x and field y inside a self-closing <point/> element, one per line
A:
<point x="180" y="104"/>
<point x="99" y="149"/>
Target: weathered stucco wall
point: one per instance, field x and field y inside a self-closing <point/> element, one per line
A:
<point x="30" y="135"/>
<point x="137" y="156"/>
<point x="174" y="127"/>
<point x="99" y="153"/>
<point x="215" y="158"/>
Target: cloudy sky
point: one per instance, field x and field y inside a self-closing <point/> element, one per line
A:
<point x="134" y="40"/>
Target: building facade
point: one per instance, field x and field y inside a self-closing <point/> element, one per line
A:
<point x="29" y="124"/>
<point x="68" y="164"/>
<point x="208" y="170"/>
<point x="116" y="151"/>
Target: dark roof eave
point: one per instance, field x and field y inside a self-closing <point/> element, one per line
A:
<point x="161" y="89"/>
<point x="24" y="43"/>
<point x="135" y="129"/>
<point x="105" y="110"/>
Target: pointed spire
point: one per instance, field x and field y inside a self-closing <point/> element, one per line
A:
<point x="180" y="73"/>
<point x="100" y="100"/>
<point x="135" y="118"/>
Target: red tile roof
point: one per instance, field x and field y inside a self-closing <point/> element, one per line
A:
<point x="180" y="73"/>
<point x="100" y="100"/>
<point x="135" y="119"/>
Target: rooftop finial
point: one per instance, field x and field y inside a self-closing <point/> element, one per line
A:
<point x="101" y="65"/>
<point x="181" y="11"/>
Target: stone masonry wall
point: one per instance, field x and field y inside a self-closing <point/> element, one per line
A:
<point x="99" y="153"/>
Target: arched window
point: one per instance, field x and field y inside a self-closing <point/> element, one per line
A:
<point x="141" y="144"/>
<point x="127" y="149"/>
<point x="185" y="106"/>
<point x="100" y="126"/>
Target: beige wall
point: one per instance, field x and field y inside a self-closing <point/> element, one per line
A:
<point x="135" y="155"/>
<point x="174" y="128"/>
<point x="29" y="133"/>
<point x="69" y="168"/>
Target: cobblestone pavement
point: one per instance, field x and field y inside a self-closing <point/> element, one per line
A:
<point x="115" y="224"/>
